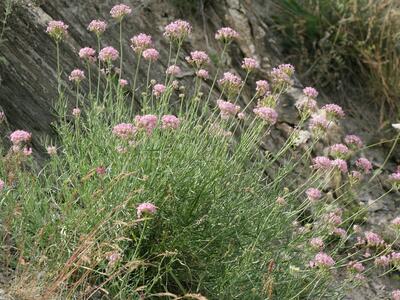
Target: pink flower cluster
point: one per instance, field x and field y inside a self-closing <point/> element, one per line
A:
<point x="282" y="74"/>
<point x="57" y="29"/>
<point x="322" y="260"/>
<point x="333" y="218"/>
<point x="226" y="34"/>
<point x="124" y="130"/>
<point x="146" y="208"/>
<point x="150" y="54"/>
<point x="321" y="163"/>
<point x="146" y="122"/>
<point x="170" y="122"/>
<point x="198" y="58"/>
<point x="364" y="165"/>
<point x="317" y="243"/>
<point x="262" y="88"/>
<point x="177" y="30"/>
<point x="141" y="42"/>
<point x="313" y="194"/>
<point x="306" y="104"/>
<point x="97" y="26"/>
<point x="355" y="266"/>
<point x="19" y="137"/>
<point x="230" y="82"/>
<point x="249" y="64"/>
<point x="373" y="239"/>
<point x="203" y="74"/>
<point x="396" y="295"/>
<point x="396" y="222"/>
<point x="123" y="82"/>
<point x="173" y="70"/>
<point x="267" y="114"/>
<point x="394" y="178"/>
<point x="108" y="54"/>
<point x="318" y="123"/>
<point x="227" y="109"/>
<point x="119" y="11"/>
<point x="77" y="76"/>
<point x="338" y="150"/>
<point x="51" y="150"/>
<point x="333" y="111"/>
<point x="310" y="92"/>
<point x="87" y="53"/>
<point x="353" y="141"/>
<point x="76" y="112"/>
<point x="158" y="89"/>
<point x="340" y="164"/>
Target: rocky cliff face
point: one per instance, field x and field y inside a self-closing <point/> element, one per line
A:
<point x="28" y="80"/>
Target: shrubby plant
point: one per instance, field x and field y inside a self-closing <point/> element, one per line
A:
<point x="172" y="199"/>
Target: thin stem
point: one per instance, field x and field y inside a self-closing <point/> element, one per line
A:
<point x="135" y="78"/>
<point x="216" y="75"/>
<point x="99" y="70"/>
<point x="148" y="77"/>
<point x="120" y="49"/>
<point x="90" y="79"/>
<point x="58" y="68"/>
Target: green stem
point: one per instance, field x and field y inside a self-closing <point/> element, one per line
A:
<point x="58" y="68"/>
<point x="120" y="49"/>
<point x="90" y="79"/>
<point x="135" y="78"/>
<point x="99" y="71"/>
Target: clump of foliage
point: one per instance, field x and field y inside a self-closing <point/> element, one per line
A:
<point x="345" y="44"/>
<point x="171" y="198"/>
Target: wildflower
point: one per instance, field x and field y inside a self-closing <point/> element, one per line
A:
<point x="226" y="35"/>
<point x="124" y="130"/>
<point x="241" y="116"/>
<point x="262" y="88"/>
<point x="150" y="54"/>
<point x="364" y="165"/>
<point x="396" y="295"/>
<point x="339" y="150"/>
<point x="27" y="151"/>
<point x="108" y="54"/>
<point x="301" y="137"/>
<point x="141" y="42"/>
<point x="313" y="194"/>
<point x="396" y="222"/>
<point x="87" y="53"/>
<point x="333" y="111"/>
<point x="310" y="92"/>
<point x="353" y="141"/>
<point x="76" y="112"/>
<point x="97" y="26"/>
<point x="318" y="124"/>
<point x="177" y="30"/>
<point x="339" y="232"/>
<point x="340" y="164"/>
<point x="2" y="184"/>
<point x="230" y="82"/>
<point x="282" y="74"/>
<point x="198" y="58"/>
<point x="57" y="30"/>
<point x="280" y="201"/>
<point x="373" y="239"/>
<point x="120" y="11"/>
<point x="395" y="258"/>
<point x="123" y="82"/>
<point x="355" y="266"/>
<point x="395" y="179"/>
<point x="267" y="114"/>
<point x="170" y="122"/>
<point x="227" y="109"/>
<point x="306" y="105"/>
<point x="355" y="176"/>
<point x="249" y="64"/>
<point x="396" y="126"/>
<point x="20" y="136"/>
<point x="321" y="163"/>
<point x="100" y="170"/>
<point x="173" y="70"/>
<point x="175" y="84"/>
<point x="147" y="122"/>
<point x="146" y="208"/>
<point x="51" y="150"/>
<point x="322" y="260"/>
<point x="158" y="89"/>
<point x="317" y="243"/>
<point x="77" y="76"/>
<point x="333" y="219"/>
<point x="382" y="261"/>
<point x="113" y="258"/>
<point x="203" y="74"/>
<point x="121" y="149"/>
